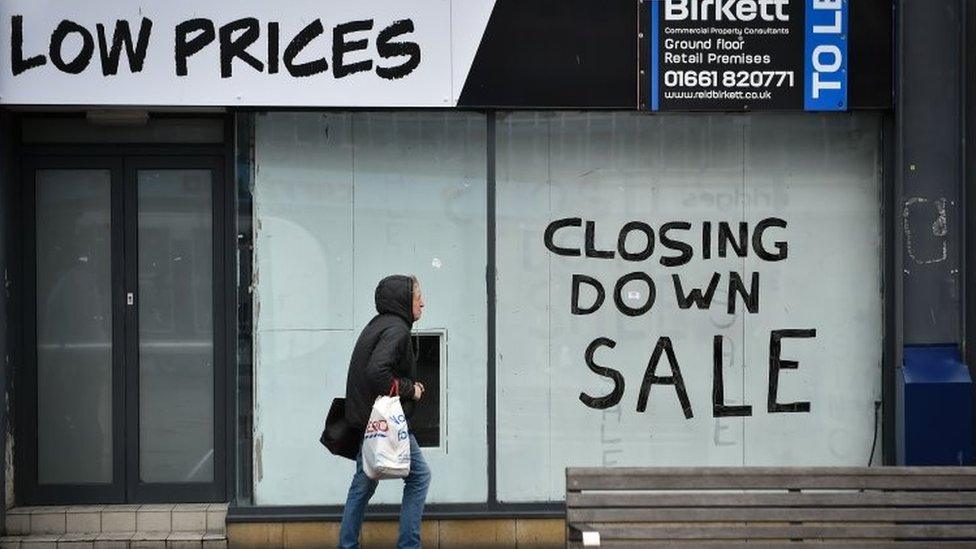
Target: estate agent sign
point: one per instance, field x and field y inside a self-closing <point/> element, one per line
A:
<point x="748" y="55"/>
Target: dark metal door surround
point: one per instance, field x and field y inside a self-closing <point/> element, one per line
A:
<point x="122" y="386"/>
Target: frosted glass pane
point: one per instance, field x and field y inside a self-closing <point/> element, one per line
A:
<point x="341" y="200"/>
<point x="74" y="326"/>
<point x="819" y="173"/>
<point x="176" y="339"/>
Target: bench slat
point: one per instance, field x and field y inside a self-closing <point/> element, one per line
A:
<point x="772" y="514"/>
<point x="891" y="481"/>
<point x="837" y="544"/>
<point x="782" y="499"/>
<point x="826" y="506"/>
<point x="721" y="472"/>
<point x="631" y="531"/>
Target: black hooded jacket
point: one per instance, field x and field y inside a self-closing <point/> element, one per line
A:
<point x="383" y="352"/>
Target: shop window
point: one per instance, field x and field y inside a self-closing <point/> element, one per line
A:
<point x="426" y="421"/>
<point x="342" y="200"/>
<point x="593" y="321"/>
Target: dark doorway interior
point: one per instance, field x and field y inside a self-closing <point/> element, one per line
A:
<point x="425" y="424"/>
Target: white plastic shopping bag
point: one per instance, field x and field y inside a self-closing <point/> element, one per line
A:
<point x="386" y="443"/>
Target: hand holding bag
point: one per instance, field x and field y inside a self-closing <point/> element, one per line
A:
<point x="386" y="442"/>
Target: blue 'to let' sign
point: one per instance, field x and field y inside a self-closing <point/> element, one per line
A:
<point x="825" y="82"/>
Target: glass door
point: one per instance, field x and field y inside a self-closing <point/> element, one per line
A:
<point x="125" y="385"/>
<point x="172" y="267"/>
<point x="75" y="385"/>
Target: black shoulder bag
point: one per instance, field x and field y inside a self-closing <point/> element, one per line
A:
<point x="338" y="436"/>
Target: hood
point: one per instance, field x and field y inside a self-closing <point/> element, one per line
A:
<point x="394" y="295"/>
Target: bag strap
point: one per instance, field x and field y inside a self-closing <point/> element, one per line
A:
<point x="395" y="388"/>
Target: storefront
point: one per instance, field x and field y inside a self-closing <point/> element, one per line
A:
<point x="605" y="287"/>
<point x="653" y="233"/>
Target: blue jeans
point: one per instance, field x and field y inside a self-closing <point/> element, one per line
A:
<point x="411" y="510"/>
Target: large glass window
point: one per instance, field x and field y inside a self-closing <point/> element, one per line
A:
<point x="340" y="201"/>
<point x="670" y="290"/>
<point x="606" y="355"/>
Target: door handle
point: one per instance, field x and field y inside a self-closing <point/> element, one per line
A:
<point x="130" y="299"/>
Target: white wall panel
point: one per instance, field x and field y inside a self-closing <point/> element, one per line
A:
<point x="615" y="168"/>
<point x="303" y="210"/>
<point x="822" y="175"/>
<point x="341" y="201"/>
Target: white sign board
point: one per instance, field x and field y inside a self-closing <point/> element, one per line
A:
<point x="247" y="53"/>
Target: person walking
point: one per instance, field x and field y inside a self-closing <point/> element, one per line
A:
<point x="384" y="354"/>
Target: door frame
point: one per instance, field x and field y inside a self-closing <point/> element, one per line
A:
<point x="29" y="157"/>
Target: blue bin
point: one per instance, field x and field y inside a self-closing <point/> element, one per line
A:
<point x="935" y="407"/>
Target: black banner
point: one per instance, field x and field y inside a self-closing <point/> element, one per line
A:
<point x="583" y="54"/>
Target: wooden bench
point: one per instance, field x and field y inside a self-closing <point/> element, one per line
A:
<point x="772" y="506"/>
